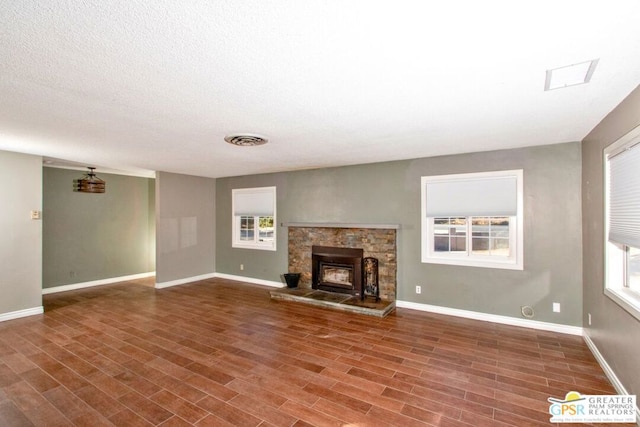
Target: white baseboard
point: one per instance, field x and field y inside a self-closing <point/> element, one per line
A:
<point x="184" y="281"/>
<point x="495" y="318"/>
<point x="250" y="280"/>
<point x="604" y="365"/>
<point x="101" y="282"/>
<point x="617" y="384"/>
<point x="21" y="313"/>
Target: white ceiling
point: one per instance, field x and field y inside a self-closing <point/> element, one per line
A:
<point x="155" y="85"/>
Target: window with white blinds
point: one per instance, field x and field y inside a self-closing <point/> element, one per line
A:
<point x="624" y="196"/>
<point x="474" y="195"/>
<point x="254" y="201"/>
<point x="473" y="219"/>
<point x="622" y="210"/>
<point x="254" y="218"/>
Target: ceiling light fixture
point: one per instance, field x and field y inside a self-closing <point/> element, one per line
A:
<point x="246" y="139"/>
<point x="570" y="75"/>
<point x="89" y="183"/>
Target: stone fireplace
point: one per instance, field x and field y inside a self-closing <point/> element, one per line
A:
<point x="337" y="269"/>
<point x="375" y="240"/>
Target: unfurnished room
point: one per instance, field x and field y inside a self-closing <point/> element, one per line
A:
<point x="319" y="213"/>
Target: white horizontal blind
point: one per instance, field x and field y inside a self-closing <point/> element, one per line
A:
<point x="491" y="196"/>
<point x="254" y="201"/>
<point x="624" y="197"/>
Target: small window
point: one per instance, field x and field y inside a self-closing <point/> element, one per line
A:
<point x="622" y="201"/>
<point x="473" y="219"/>
<point x="254" y="218"/>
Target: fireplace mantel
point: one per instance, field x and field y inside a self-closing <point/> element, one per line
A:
<point x="341" y="225"/>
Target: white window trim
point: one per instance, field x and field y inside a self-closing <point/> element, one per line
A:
<point x="516" y="229"/>
<point x="235" y="224"/>
<point x="614" y="254"/>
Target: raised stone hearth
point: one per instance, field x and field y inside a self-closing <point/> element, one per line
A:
<point x="336" y="301"/>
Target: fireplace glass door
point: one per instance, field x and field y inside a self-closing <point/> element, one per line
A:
<point x="336" y="275"/>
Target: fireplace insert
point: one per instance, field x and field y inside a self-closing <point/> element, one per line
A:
<point x="337" y="269"/>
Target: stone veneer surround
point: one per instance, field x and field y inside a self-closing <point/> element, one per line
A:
<point x="376" y="241"/>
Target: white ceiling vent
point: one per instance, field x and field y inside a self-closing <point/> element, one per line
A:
<point x="246" y="139"/>
<point x="570" y="75"/>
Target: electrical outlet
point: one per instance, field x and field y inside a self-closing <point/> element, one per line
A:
<point x="418" y="289"/>
<point x="556" y="307"/>
<point x="589" y="319"/>
<point x="241" y="267"/>
<point x="35" y="214"/>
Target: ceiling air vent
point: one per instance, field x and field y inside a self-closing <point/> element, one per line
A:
<point x="246" y="139"/>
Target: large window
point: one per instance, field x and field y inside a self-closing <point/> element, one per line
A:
<point x="473" y="219"/>
<point x="254" y="218"/>
<point x="622" y="199"/>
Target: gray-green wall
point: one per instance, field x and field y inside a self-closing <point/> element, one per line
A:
<point x="390" y="193"/>
<point x="21" y="237"/>
<point x="89" y="237"/>
<point x="185" y="223"/>
<point x="614" y="331"/>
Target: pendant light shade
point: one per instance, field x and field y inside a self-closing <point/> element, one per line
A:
<point x="89" y="183"/>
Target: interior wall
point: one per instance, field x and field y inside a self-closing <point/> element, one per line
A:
<point x="21" y="242"/>
<point x="613" y="330"/>
<point x="185" y="221"/>
<point x="89" y="237"/>
<point x="389" y="193"/>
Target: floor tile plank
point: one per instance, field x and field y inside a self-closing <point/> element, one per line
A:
<point x="222" y="353"/>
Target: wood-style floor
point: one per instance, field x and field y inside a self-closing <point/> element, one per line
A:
<point x="222" y="353"/>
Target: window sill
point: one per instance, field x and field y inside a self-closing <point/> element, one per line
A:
<point x="626" y="299"/>
<point x="505" y="265"/>
<point x="253" y="246"/>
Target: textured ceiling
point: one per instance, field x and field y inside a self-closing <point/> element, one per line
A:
<point x="155" y="85"/>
